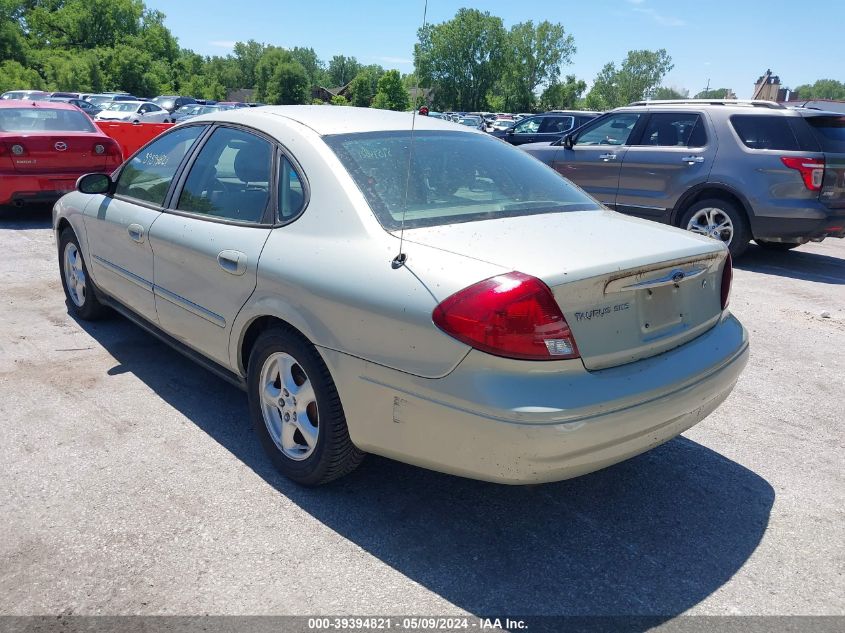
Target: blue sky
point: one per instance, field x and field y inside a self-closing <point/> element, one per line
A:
<point x="730" y="42"/>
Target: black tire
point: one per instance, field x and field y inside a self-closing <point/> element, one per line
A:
<point x="334" y="454"/>
<point x="741" y="230"/>
<point x="777" y="246"/>
<point x="91" y="309"/>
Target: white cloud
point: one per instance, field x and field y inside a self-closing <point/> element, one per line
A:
<point x="222" y="43"/>
<point x="663" y="20"/>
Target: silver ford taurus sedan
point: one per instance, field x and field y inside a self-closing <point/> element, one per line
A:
<point x="437" y="296"/>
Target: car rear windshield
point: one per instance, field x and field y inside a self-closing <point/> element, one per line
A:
<point x="449" y="177"/>
<point x="44" y="120"/>
<point x="829" y="132"/>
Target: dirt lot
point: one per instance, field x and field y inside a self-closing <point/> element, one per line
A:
<point x="132" y="483"/>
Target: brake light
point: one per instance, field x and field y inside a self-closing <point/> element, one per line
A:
<point x="727" y="280"/>
<point x="812" y="170"/>
<point x="513" y="315"/>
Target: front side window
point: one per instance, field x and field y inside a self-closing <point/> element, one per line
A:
<point x="674" y="129"/>
<point x="529" y="126"/>
<point x="556" y="124"/>
<point x="230" y="178"/>
<point x="615" y="129"/>
<point x="453" y="177"/>
<point x="148" y="175"/>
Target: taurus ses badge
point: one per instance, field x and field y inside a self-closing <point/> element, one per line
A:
<point x="60" y="146"/>
<point x="678" y="276"/>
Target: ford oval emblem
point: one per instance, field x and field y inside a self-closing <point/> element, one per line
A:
<point x="60" y="146"/>
<point x="678" y="277"/>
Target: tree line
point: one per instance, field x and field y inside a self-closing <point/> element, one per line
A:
<point x="469" y="63"/>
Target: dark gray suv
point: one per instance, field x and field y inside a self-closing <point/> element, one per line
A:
<point x="732" y="170"/>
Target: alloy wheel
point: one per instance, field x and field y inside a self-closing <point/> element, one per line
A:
<point x="74" y="274"/>
<point x="712" y="222"/>
<point x="289" y="406"/>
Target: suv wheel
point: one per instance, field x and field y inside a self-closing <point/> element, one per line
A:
<point x="296" y="410"/>
<point x="78" y="287"/>
<point x="719" y="220"/>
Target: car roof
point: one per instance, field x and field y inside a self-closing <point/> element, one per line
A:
<point x="35" y="105"/>
<point x="326" y="120"/>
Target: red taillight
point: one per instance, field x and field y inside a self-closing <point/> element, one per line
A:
<point x="811" y="169"/>
<point x="513" y="315"/>
<point x="727" y="279"/>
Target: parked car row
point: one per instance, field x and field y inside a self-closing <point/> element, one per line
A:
<point x="734" y="171"/>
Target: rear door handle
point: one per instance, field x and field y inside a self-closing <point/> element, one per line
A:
<point x="607" y="157"/>
<point x="136" y="232"/>
<point x="233" y="262"/>
<point x="691" y="160"/>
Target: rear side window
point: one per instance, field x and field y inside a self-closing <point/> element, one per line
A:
<point x="829" y="132"/>
<point x="674" y="129"/>
<point x="230" y="178"/>
<point x="765" y="132"/>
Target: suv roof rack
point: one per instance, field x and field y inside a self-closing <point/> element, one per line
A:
<point x="742" y="102"/>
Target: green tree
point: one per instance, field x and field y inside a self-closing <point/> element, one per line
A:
<point x="13" y="44"/>
<point x="365" y="86"/>
<point x="822" y="89"/>
<point x="533" y="59"/>
<point x="461" y="59"/>
<point x="391" y="93"/>
<point x="342" y="70"/>
<point x="289" y="85"/>
<point x="248" y="55"/>
<point x="314" y="67"/>
<point x="83" y="24"/>
<point x="665" y="92"/>
<point x="14" y="76"/>
<point x="266" y="68"/>
<point x="717" y="93"/>
<point x="339" y="100"/>
<point x="637" y="78"/>
<point x="563" y="95"/>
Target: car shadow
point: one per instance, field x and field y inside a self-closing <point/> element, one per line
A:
<point x="652" y="536"/>
<point x="26" y="218"/>
<point x="795" y="264"/>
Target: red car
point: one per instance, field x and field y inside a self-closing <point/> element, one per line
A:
<point x="45" y="147"/>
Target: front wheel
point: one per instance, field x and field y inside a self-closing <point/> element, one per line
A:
<point x="296" y="410"/>
<point x="77" y="284"/>
<point x="720" y="220"/>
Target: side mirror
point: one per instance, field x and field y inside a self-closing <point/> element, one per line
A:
<point x="509" y="131"/>
<point x="94" y="183"/>
<point x="568" y="141"/>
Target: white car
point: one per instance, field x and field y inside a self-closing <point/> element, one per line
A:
<point x="437" y="297"/>
<point x="134" y="112"/>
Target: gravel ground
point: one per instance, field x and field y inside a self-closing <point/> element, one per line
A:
<point x="132" y="484"/>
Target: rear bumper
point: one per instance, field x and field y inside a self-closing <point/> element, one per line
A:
<point x="503" y="421"/>
<point x="799" y="224"/>
<point x="17" y="188"/>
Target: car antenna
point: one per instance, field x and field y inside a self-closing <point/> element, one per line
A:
<point x="399" y="260"/>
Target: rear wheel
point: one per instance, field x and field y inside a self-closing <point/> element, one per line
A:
<point x="720" y="220"/>
<point x="77" y="284"/>
<point x="296" y="410"/>
<point x="777" y="246"/>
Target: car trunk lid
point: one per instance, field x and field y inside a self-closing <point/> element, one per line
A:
<point x="628" y="288"/>
<point x="57" y="152"/>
